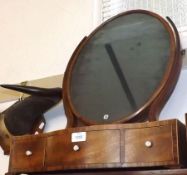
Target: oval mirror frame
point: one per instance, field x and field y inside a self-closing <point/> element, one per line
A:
<point x="151" y="108"/>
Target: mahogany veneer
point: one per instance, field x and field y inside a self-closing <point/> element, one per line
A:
<point x="149" y="144"/>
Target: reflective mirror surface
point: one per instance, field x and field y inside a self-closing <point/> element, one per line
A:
<point x="119" y="68"/>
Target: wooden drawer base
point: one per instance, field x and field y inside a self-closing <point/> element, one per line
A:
<point x="150" y="144"/>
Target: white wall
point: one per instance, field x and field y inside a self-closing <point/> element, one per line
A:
<point x="176" y="107"/>
<point x="37" y="37"/>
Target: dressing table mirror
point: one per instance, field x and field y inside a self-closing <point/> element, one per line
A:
<point x="124" y="71"/>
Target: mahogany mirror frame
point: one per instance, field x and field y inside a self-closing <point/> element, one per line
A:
<point x="151" y="109"/>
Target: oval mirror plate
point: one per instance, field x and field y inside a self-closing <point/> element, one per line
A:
<point x="122" y="69"/>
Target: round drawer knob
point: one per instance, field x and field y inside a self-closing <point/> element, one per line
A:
<point x="76" y="147"/>
<point x="106" y="117"/>
<point x="148" y="144"/>
<point x="28" y="153"/>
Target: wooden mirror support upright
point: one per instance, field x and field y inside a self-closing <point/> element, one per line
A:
<point x="124" y="71"/>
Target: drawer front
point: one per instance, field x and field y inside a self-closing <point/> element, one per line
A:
<point x="100" y="147"/>
<point x="148" y="146"/>
<point x="28" y="154"/>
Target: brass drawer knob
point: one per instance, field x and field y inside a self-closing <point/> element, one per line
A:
<point x="148" y="144"/>
<point x="28" y="153"/>
<point x="76" y="147"/>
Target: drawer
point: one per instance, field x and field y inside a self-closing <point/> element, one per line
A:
<point x="100" y="147"/>
<point x="28" y="154"/>
<point x="148" y="146"/>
